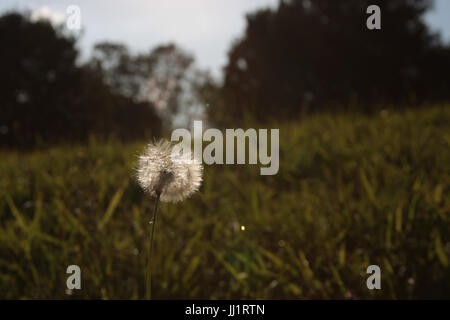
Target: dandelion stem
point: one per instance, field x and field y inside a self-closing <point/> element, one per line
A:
<point x="148" y="291"/>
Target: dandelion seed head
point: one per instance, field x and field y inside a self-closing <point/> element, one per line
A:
<point x="173" y="177"/>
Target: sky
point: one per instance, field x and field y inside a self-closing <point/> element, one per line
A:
<point x="205" y="28"/>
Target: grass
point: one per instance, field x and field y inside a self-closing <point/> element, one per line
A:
<point x="351" y="191"/>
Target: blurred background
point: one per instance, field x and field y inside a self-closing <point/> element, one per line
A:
<point x="364" y="123"/>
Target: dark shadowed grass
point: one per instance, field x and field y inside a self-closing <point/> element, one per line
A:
<point x="351" y="191"/>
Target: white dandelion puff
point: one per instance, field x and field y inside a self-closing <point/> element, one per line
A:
<point x="169" y="176"/>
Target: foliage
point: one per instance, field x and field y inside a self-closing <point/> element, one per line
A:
<point x="47" y="98"/>
<point x="166" y="77"/>
<point x="315" y="55"/>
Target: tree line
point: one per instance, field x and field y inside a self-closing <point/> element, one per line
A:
<point x="301" y="56"/>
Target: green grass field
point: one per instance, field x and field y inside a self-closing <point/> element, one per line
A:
<point x="352" y="191"/>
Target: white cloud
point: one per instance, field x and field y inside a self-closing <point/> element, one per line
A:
<point x="45" y="13"/>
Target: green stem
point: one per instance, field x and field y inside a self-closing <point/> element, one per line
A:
<point x="148" y="292"/>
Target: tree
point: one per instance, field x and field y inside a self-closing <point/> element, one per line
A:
<point x="47" y="97"/>
<point x="166" y="77"/>
<point x="39" y="80"/>
<point x="313" y="54"/>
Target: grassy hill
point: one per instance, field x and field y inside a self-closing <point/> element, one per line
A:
<point x="352" y="191"/>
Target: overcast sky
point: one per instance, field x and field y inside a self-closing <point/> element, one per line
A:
<point x="205" y="28"/>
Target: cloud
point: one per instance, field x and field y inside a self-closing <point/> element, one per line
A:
<point x="45" y="13"/>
